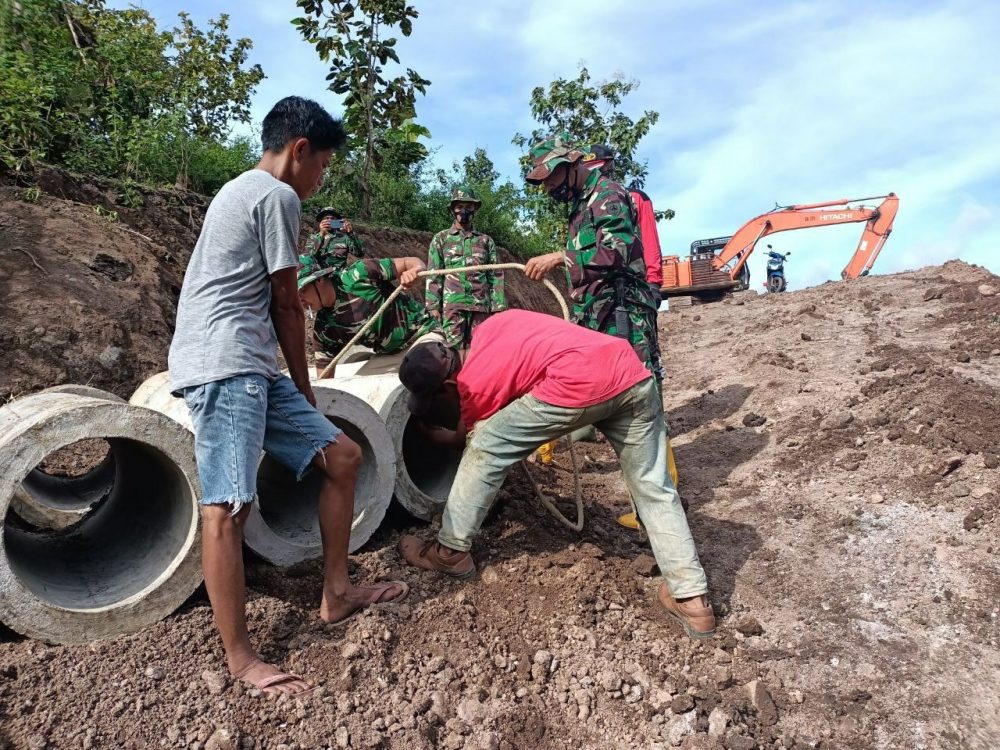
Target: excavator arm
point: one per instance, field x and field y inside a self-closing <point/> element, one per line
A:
<point x="877" y="228"/>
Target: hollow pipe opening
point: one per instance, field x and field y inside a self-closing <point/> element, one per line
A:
<point x="67" y="485"/>
<point x="430" y="467"/>
<point x="119" y="550"/>
<point x="291" y="509"/>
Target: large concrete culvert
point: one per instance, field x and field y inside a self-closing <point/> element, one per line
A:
<point x="425" y="471"/>
<point x="129" y="562"/>
<point x="283" y="526"/>
<point x="48" y="501"/>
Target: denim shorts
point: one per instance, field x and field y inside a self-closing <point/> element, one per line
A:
<point x="238" y="417"/>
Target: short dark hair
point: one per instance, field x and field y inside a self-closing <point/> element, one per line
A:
<point x="294" y="117"/>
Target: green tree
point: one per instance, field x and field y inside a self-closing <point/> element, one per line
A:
<point x="352" y="37"/>
<point x="590" y="113"/>
<point x="406" y="140"/>
<point x="209" y="83"/>
<point x="43" y="97"/>
<point x="106" y="92"/>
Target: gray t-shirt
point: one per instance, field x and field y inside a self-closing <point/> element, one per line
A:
<point x="223" y="318"/>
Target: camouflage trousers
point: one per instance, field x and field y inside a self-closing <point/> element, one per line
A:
<point x="459" y="324"/>
<point x="404" y="321"/>
<point x="642" y="335"/>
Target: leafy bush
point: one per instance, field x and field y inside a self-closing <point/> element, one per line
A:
<point x="105" y="92"/>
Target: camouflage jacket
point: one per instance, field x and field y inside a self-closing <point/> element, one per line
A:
<point x="335" y="250"/>
<point x="476" y="292"/>
<point x="361" y="289"/>
<point x="604" y="250"/>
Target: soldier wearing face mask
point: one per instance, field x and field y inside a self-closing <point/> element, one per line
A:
<point x="462" y="301"/>
<point x="603" y="258"/>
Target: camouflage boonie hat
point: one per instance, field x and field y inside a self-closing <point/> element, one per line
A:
<point x="328" y="211"/>
<point x="464" y="194"/>
<point x="310" y="270"/>
<point x="548" y="154"/>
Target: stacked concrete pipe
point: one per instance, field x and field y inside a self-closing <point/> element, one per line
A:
<point x="424" y="471"/>
<point x="283" y="527"/>
<point x="56" y="502"/>
<point x="129" y="561"/>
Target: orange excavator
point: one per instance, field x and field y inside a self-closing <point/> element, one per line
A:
<point x="718" y="265"/>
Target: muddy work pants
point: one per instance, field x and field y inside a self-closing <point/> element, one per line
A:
<point x="633" y="423"/>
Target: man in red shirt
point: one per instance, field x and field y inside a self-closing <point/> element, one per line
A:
<point x="530" y="378"/>
<point x="650" y="239"/>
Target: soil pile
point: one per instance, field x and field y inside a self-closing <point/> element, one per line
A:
<point x="839" y="450"/>
<point x="90" y="278"/>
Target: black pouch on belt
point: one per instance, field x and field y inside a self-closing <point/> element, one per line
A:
<point x="623" y="324"/>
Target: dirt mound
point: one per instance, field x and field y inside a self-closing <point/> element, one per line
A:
<point x="90" y="275"/>
<point x="839" y="450"/>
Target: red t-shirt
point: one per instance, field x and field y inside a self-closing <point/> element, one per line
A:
<point x="650" y="237"/>
<point x="518" y="352"/>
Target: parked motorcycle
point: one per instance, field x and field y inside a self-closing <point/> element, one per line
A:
<point x="776" y="270"/>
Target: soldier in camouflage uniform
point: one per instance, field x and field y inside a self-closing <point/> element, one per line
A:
<point x="335" y="244"/>
<point x="360" y="289"/>
<point x="462" y="301"/>
<point x="603" y="259"/>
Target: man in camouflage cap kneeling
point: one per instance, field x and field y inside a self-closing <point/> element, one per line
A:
<point x="343" y="300"/>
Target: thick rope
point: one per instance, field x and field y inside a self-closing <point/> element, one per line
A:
<point x="548" y="504"/>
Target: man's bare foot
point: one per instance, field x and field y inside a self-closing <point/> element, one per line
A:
<point x="337" y="609"/>
<point x="270" y="679"/>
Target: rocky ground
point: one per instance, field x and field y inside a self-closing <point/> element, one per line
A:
<point x="839" y="449"/>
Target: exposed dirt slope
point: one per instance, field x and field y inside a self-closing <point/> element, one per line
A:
<point x="839" y="450"/>
<point x="90" y="285"/>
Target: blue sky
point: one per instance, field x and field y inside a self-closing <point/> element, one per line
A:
<point x="760" y="103"/>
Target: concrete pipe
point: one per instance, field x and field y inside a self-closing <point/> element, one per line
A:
<point x="283" y="526"/>
<point x="57" y="502"/>
<point x="129" y="562"/>
<point x="424" y="471"/>
<point x="154" y="393"/>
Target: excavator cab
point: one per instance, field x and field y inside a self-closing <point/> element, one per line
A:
<point x="702" y="250"/>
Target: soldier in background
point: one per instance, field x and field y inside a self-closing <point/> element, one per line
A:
<point x="601" y="159"/>
<point x="334" y="244"/>
<point x="462" y="301"/>
<point x="645" y="220"/>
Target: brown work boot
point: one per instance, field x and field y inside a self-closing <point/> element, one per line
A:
<point x="431" y="555"/>
<point x="695" y="615"/>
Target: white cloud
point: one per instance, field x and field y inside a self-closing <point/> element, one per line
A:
<point x="973" y="217"/>
<point x="843" y="110"/>
<point x="789" y="102"/>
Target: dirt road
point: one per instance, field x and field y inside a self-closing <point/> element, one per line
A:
<point x="838" y="447"/>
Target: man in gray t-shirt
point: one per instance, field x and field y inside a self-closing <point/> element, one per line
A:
<point x="239" y="302"/>
<point x="224" y="318"/>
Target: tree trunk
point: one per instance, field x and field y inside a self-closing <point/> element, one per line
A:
<point x="366" y="190"/>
